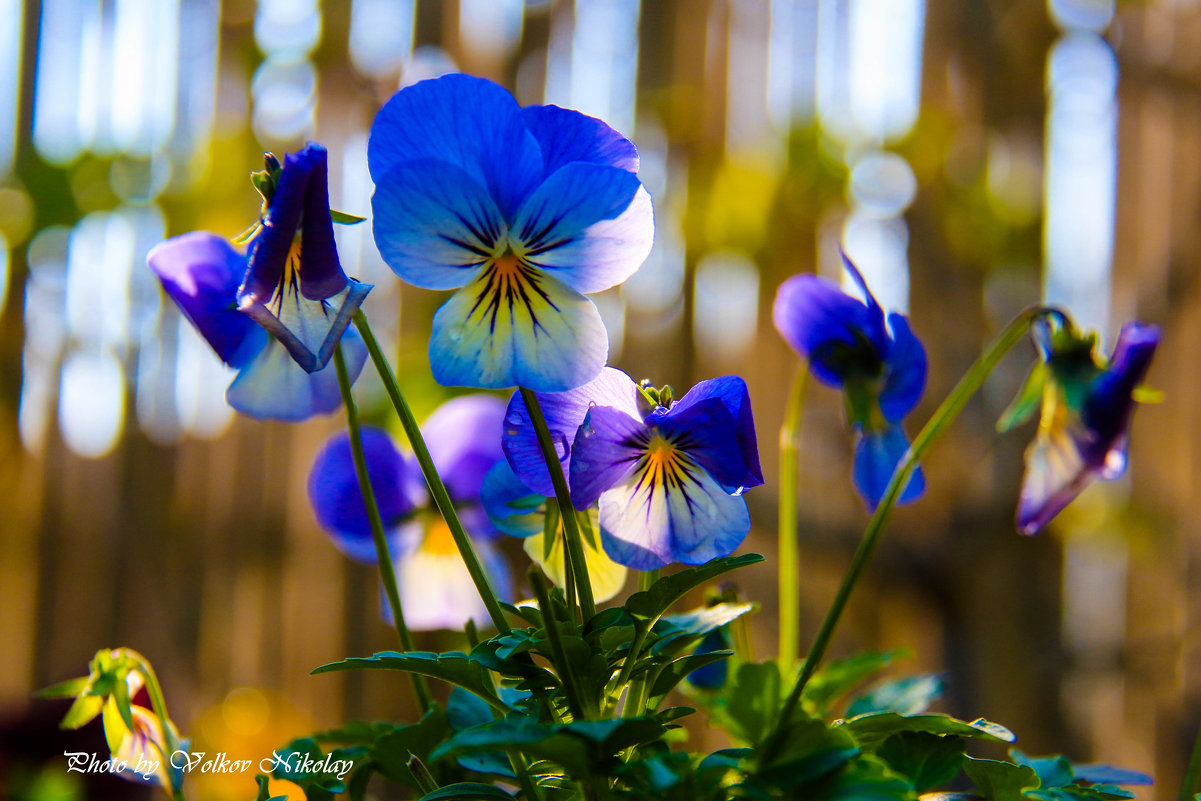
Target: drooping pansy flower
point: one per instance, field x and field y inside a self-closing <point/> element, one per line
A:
<point x="668" y="475"/>
<point x="516" y="510"/>
<point x="1086" y="406"/>
<point x="524" y="211"/>
<point x="436" y="591"/>
<point x="277" y="314"/>
<point x="878" y="363"/>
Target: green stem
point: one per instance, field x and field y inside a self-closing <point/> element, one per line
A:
<point x="387" y="570"/>
<point x="790" y="591"/>
<point x="938" y="423"/>
<point x="437" y="489"/>
<point x="1191" y="784"/>
<point x="566" y="671"/>
<point x="574" y="552"/>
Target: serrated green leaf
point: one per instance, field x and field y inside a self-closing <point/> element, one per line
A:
<point x="911" y="695"/>
<point x="1027" y="399"/>
<point x="674" y="633"/>
<point x="355" y="732"/>
<point x="651" y="603"/>
<point x="927" y="760"/>
<point x="1000" y="781"/>
<point x="468" y="791"/>
<point x="464" y="710"/>
<point x="452" y="667"/>
<point x="870" y="730"/>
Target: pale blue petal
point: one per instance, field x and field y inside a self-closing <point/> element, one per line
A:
<point x="434" y="224"/>
<point x="565" y="136"/>
<point x="564" y="412"/>
<point x="308" y="329"/>
<point x="467" y="122"/>
<point x="511" y="506"/>
<point x="648" y="522"/>
<point x="274" y="386"/>
<point x="526" y="330"/>
<point x="590" y="225"/>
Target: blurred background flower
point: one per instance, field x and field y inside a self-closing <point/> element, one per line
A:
<point x="966" y="155"/>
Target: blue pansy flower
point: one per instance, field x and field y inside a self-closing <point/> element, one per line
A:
<point x="1086" y="406"/>
<point x="524" y="211"/>
<point x="713" y="675"/>
<point x="436" y="591"/>
<point x="878" y="363"/>
<point x="668" y="475"/>
<point x="275" y="315"/>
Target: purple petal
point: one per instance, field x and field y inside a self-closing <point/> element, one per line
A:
<point x="337" y="501"/>
<point x="732" y="392"/>
<point x="463" y="437"/>
<point x="906" y="378"/>
<point x="564" y="412"/>
<point x="824" y="325"/>
<point x="273" y="246"/>
<point x="607" y="446"/>
<point x="201" y="272"/>
<point x="566" y="136"/>
<point x="1109" y="406"/>
<point x="589" y="225"/>
<point x="707" y="432"/>
<point x="321" y="274"/>
<point x="467" y="122"/>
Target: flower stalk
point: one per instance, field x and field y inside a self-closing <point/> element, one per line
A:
<point x="938" y="423"/>
<point x="789" y="582"/>
<point x="387" y="569"/>
<point x="434" y="481"/>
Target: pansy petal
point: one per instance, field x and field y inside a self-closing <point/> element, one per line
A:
<point x="825" y="325"/>
<point x="565" y="136"/>
<point x="1109" y="404"/>
<point x="273" y="246"/>
<point x="706" y="432"/>
<point x="511" y="506"/>
<point x="732" y="392"/>
<point x="434" y="224"/>
<point x="906" y="371"/>
<point x="321" y="273"/>
<point x="463" y="436"/>
<point x="1055" y="475"/>
<point x="713" y="675"/>
<point x="517" y="328"/>
<point x="201" y="272"/>
<point x="338" y="503"/>
<point x="273" y="385"/>
<point x="308" y="329"/>
<point x="876" y="330"/>
<point x="467" y="122"/>
<point x="606" y="576"/>
<point x="436" y="591"/>
<point x="590" y="225"/>
<point x="650" y="521"/>
<point x="607" y="446"/>
<point x="877" y="454"/>
<point x="564" y="412"/>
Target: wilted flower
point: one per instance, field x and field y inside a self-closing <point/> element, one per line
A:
<point x="436" y="591"/>
<point x="1086" y="405"/>
<point x="524" y="211"/>
<point x="519" y="512"/>
<point x="668" y="476"/>
<point x="277" y="315"/>
<point x="880" y="367"/>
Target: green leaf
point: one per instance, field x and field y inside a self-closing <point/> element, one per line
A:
<point x="863" y="779"/>
<point x="677" y="632"/>
<point x="390" y="753"/>
<point x="872" y="729"/>
<point x="82" y="712"/>
<point x="264" y="793"/>
<point x="65" y="689"/>
<point x="1027" y="400"/>
<point x="675" y="672"/>
<point x="464" y="710"/>
<point x="928" y="760"/>
<point x="468" y="791"/>
<point x="748" y="705"/>
<point x="1000" y="781"/>
<point x="1053" y="771"/>
<point x="651" y="603"/>
<point x="786" y="775"/>
<point x="911" y="695"/>
<point x="298" y="755"/>
<point x="452" y="667"/>
<point x="355" y="732"/>
<point x="842" y="675"/>
<point x="342" y="218"/>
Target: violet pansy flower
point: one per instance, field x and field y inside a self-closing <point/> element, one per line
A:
<point x="523" y="211"/>
<point x="275" y="315"/>
<point x="436" y="591"/>
<point x="1086" y="406"/>
<point x="877" y="362"/>
<point x="668" y="475"/>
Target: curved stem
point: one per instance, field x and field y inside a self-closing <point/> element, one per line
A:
<point x="158" y="703"/>
<point x="790" y="592"/>
<point x="942" y="418"/>
<point x="574" y="552"/>
<point x="434" y="481"/>
<point x="387" y="570"/>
